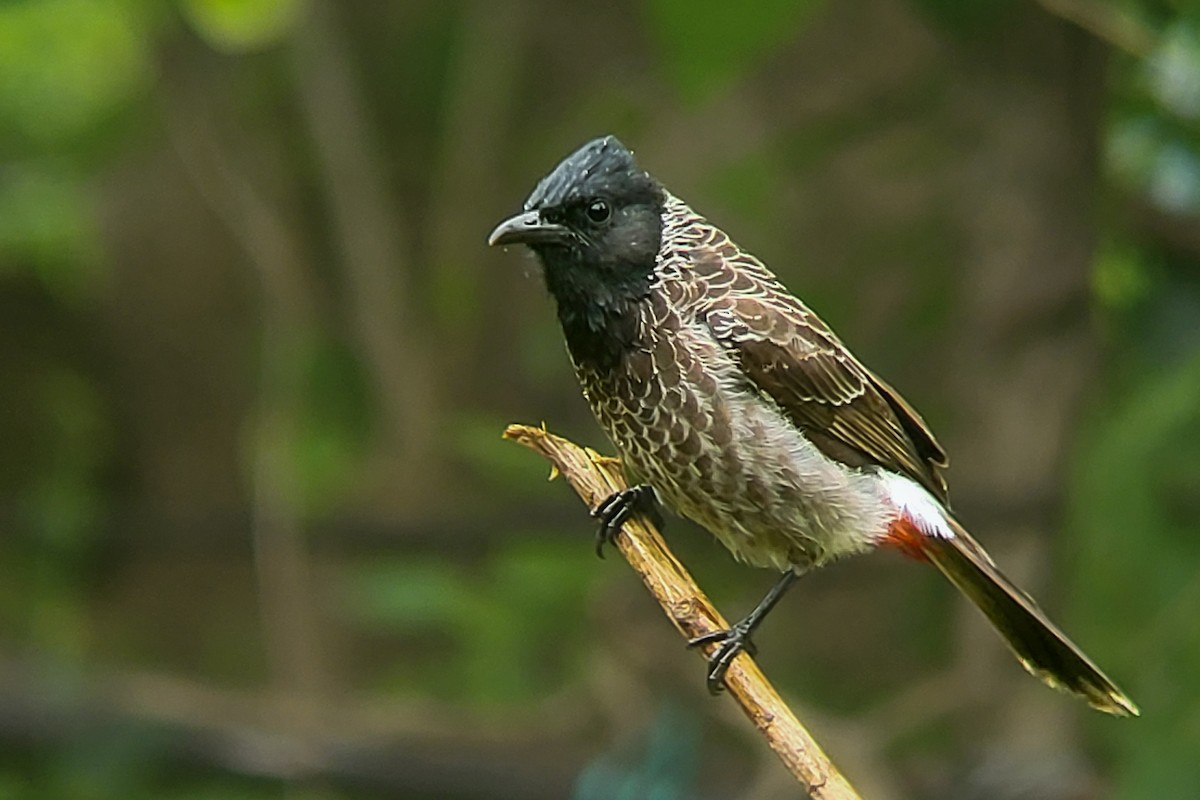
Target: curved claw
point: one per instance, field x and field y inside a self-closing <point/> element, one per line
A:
<point x="731" y="642"/>
<point x="737" y="638"/>
<point x="618" y="507"/>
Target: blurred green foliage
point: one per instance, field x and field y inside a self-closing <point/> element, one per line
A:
<point x="1134" y="511"/>
<point x="65" y="65"/>
<point x="496" y="626"/>
<point x="333" y="426"/>
<point x="241" y="25"/>
<point x="47" y="226"/>
<point x="501" y="622"/>
<point x="708" y="44"/>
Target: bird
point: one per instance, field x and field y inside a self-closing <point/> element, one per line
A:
<point x="733" y="405"/>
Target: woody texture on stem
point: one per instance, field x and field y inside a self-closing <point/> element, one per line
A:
<point x="595" y="478"/>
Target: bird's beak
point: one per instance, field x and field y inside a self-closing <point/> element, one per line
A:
<point x="528" y="228"/>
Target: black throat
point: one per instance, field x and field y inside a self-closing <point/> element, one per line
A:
<point x="598" y="309"/>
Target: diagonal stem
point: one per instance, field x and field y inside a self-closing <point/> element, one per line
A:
<point x="595" y="478"/>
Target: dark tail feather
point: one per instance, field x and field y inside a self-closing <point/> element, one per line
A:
<point x="1041" y="647"/>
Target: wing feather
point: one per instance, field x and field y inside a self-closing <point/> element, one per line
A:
<point x="790" y="356"/>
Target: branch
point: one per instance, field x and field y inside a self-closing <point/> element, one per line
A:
<point x="594" y="477"/>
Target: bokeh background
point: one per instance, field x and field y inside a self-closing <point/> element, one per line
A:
<point x="259" y="536"/>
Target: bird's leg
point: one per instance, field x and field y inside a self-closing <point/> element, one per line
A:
<point x="615" y="509"/>
<point x="737" y="639"/>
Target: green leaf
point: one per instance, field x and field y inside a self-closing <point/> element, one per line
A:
<point x="1173" y="68"/>
<point x="65" y="64"/>
<point x="242" y="25"/>
<point x="46" y="224"/>
<point x="1121" y="276"/>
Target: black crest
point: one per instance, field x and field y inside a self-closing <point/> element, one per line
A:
<point x="601" y="168"/>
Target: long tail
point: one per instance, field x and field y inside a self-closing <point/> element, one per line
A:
<point x="1041" y="647"/>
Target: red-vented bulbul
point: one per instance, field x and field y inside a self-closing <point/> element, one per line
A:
<point x="738" y="408"/>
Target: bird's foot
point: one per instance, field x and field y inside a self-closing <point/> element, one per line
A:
<point x="729" y="643"/>
<point x="618" y="507"/>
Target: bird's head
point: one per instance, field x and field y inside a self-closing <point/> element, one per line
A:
<point x="595" y="223"/>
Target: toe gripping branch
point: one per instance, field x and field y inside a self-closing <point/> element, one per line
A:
<point x="618" y="507"/>
<point x="730" y="642"/>
<point x="686" y="605"/>
<point x="736" y="639"/>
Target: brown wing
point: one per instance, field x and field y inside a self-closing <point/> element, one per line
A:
<point x="789" y="355"/>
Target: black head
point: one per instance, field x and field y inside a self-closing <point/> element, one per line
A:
<point x="595" y="223"/>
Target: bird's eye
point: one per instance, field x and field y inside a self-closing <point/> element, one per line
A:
<point x="598" y="211"/>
